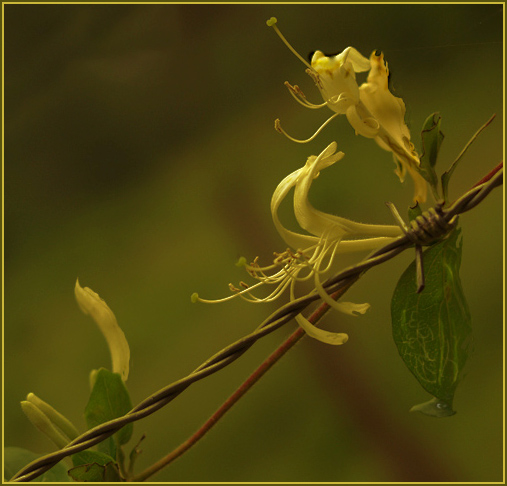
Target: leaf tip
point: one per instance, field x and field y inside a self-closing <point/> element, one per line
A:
<point x="435" y="408"/>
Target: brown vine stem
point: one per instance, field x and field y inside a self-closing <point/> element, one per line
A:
<point x="266" y="365"/>
<point x="428" y="228"/>
<point x="487" y="177"/>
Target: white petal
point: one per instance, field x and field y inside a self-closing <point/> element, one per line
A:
<point x="336" y="78"/>
<point x="327" y="337"/>
<point x="368" y="127"/>
<point x="358" y="61"/>
<point x="365" y="244"/>
<point x="91" y="304"/>
<point x="294" y="240"/>
<point x="351" y="308"/>
<point x="346" y="307"/>
<point x="327" y="225"/>
<point x="389" y="111"/>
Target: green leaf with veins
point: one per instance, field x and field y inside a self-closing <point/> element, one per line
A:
<point x="432" y="330"/>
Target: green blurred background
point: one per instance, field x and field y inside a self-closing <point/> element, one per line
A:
<point x="140" y="156"/>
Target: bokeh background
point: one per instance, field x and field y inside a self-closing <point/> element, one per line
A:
<point x="140" y="156"/>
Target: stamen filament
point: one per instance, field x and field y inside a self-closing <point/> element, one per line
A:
<point x="272" y="23"/>
<point x="278" y="128"/>
<point x="298" y="95"/>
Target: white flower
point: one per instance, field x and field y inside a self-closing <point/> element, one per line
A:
<point x="311" y="255"/>
<point x="91" y="304"/>
<point x="371" y="109"/>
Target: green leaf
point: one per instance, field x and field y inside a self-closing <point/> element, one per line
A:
<point x="109" y="399"/>
<point x="91" y="457"/>
<point x="96" y="473"/>
<point x="15" y="458"/>
<point x="432" y="139"/>
<point x="94" y="466"/>
<point x="434" y="408"/>
<point x="432" y="330"/>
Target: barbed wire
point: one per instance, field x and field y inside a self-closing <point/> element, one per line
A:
<point x="431" y="226"/>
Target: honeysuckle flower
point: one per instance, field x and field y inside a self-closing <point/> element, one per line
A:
<point x="91" y="304"/>
<point x="49" y="421"/>
<point x="336" y="77"/>
<point x="371" y="109"/>
<point x="393" y="134"/>
<point x="311" y="255"/>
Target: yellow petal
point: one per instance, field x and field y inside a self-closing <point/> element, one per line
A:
<point x="91" y="304"/>
<point x="336" y="77"/>
<point x="328" y="337"/>
<point x="326" y="225"/>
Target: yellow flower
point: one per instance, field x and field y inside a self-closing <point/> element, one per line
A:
<point x="371" y="109"/>
<point x="336" y="77"/>
<point x="389" y="112"/>
<point x="311" y="255"/>
<point x="91" y="304"/>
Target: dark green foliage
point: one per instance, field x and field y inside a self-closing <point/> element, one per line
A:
<point x="432" y="329"/>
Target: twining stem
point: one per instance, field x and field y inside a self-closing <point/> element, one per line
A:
<point x="338" y="283"/>
<point x="257" y="375"/>
<point x="488" y="176"/>
<point x="245" y="386"/>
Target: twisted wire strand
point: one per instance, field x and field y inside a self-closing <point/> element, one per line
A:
<point x="436" y="223"/>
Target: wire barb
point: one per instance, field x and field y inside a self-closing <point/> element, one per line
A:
<point x="432" y="226"/>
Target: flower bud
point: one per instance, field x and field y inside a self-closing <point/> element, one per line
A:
<point x="63" y="423"/>
<point x="41" y="421"/>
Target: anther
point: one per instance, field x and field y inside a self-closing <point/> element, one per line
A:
<point x="241" y="262"/>
<point x="300" y="97"/>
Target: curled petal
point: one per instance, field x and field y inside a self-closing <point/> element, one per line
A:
<point x="389" y="111"/>
<point x="383" y="105"/>
<point x="346" y="307"/>
<point x="327" y="337"/>
<point x="367" y="127"/>
<point x="356" y="59"/>
<point x="294" y="240"/>
<point x="327" y="225"/>
<point x="91" y="304"/>
<point x="351" y="308"/>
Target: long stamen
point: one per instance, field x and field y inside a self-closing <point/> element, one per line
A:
<point x="272" y="23"/>
<point x="333" y="247"/>
<point x="278" y="128"/>
<point x="277" y="292"/>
